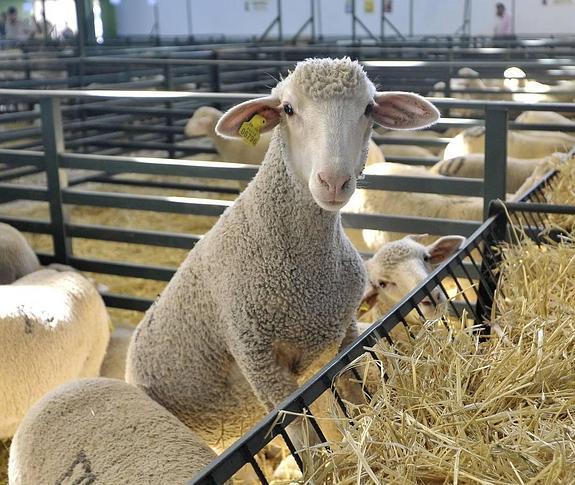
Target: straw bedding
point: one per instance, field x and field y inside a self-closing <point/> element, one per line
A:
<point x="453" y="409"/>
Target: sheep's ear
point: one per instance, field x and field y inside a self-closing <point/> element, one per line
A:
<point x="403" y="111"/>
<point x="443" y="248"/>
<point x="231" y="121"/>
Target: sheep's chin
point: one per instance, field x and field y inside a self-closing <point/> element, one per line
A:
<point x="330" y="206"/>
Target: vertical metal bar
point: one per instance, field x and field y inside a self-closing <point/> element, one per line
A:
<point x="80" y="20"/>
<point x="45" y="23"/>
<point x="353" y="21"/>
<point x="189" y="16"/>
<point x="411" y="18"/>
<point x="279" y="18"/>
<point x="169" y="85"/>
<point x="53" y="141"/>
<point x="312" y="5"/>
<point x="495" y="173"/>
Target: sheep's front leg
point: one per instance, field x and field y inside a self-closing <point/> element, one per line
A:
<point x="346" y="384"/>
<point x="270" y="381"/>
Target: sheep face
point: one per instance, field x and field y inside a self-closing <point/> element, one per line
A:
<point x="326" y="109"/>
<point x="398" y="267"/>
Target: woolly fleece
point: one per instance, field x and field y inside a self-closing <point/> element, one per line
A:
<point x="17" y="258"/>
<point x="103" y="432"/>
<point x="259" y="304"/>
<point x="54" y="328"/>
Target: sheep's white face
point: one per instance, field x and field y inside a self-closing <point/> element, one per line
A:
<point x="327" y="143"/>
<point x="326" y="109"/>
<point x="400" y="266"/>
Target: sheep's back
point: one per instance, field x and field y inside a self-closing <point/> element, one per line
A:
<point x="103" y="431"/>
<point x="55" y="328"/>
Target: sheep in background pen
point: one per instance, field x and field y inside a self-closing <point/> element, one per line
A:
<point x="203" y="123"/>
<point x="473" y="166"/>
<point x="520" y="144"/>
<point x="407" y="204"/>
<point x="54" y="328"/>
<point x="17" y="258"/>
<point x="270" y="293"/>
<point x="103" y="431"/>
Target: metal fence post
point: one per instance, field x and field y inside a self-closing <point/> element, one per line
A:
<point x="495" y="172"/>
<point x="53" y="142"/>
<point x="169" y="86"/>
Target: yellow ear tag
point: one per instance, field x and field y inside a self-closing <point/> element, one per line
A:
<point x="250" y="130"/>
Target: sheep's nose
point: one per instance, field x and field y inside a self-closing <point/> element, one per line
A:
<point x="427" y="302"/>
<point x="334" y="184"/>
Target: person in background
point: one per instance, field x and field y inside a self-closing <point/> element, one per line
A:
<point x="18" y="29"/>
<point x="504" y="23"/>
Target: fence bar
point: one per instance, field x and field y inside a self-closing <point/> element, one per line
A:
<point x="53" y="140"/>
<point x="495" y="157"/>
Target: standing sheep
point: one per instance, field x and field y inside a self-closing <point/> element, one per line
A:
<point x="103" y="431"/>
<point x="270" y="293"/>
<point x="17" y="258"/>
<point x="54" y="327"/>
<point x="204" y="122"/>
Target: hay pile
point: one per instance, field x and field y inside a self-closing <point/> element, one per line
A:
<point x="454" y="409"/>
<point x="562" y="192"/>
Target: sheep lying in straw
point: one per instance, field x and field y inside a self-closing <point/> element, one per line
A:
<point x="544" y="117"/>
<point x="55" y="328"/>
<point x="103" y="431"/>
<point x="452" y="408"/>
<point x="17" y="258"/>
<point x="473" y="165"/>
<point x="204" y="122"/>
<point x="407" y="204"/>
<point x="270" y="293"/>
<point x="520" y="144"/>
<point x="399" y="266"/>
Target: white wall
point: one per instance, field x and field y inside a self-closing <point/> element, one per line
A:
<point x="229" y="17"/>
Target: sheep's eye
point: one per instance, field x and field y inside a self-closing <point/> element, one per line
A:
<point x="427" y="258"/>
<point x="368" y="109"/>
<point x="383" y="283"/>
<point x="288" y="109"/>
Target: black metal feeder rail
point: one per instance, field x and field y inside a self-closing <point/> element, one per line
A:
<point x="480" y="248"/>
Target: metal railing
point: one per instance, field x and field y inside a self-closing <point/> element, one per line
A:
<point x="480" y="249"/>
<point x="55" y="155"/>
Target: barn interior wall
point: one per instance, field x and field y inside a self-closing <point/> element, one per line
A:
<point x="230" y="17"/>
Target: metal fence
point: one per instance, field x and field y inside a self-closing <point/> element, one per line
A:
<point x="480" y="249"/>
<point x="54" y="155"/>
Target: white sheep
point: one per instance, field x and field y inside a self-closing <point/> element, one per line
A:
<point x="54" y="328"/>
<point x="399" y="266"/>
<point x="520" y="144"/>
<point x="103" y="431"/>
<point x="17" y="258"/>
<point x="473" y="165"/>
<point x="390" y="151"/>
<point x="415" y="135"/>
<point x="407" y="204"/>
<point x="205" y="119"/>
<point x="544" y="117"/>
<point x="270" y="292"/>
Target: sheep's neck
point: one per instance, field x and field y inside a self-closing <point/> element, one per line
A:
<point x="285" y="205"/>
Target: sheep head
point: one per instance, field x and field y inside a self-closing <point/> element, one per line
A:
<point x="400" y="266"/>
<point x="326" y="109"/>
